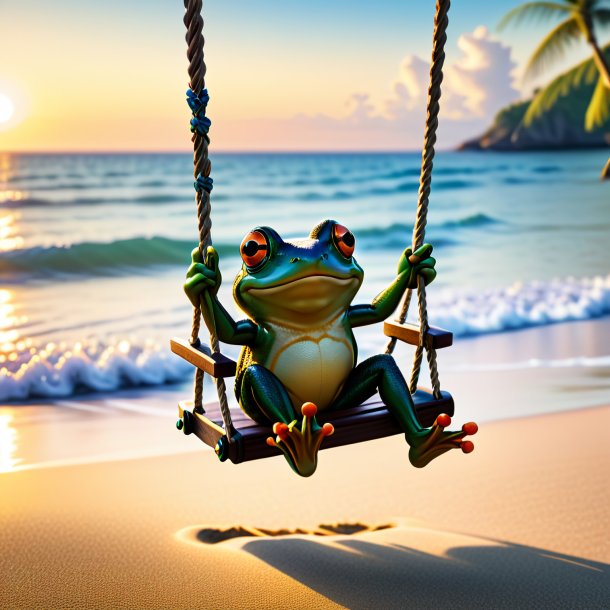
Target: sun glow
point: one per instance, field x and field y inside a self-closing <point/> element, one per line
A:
<point x="7" y="108"/>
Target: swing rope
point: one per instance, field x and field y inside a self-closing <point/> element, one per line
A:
<point x="197" y="99"/>
<point x="441" y="21"/>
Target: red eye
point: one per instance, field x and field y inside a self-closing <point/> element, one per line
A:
<point x="344" y="240"/>
<point x="254" y="249"/>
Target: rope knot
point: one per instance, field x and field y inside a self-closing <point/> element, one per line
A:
<point x="201" y="125"/>
<point x="203" y="183"/>
<point x="197" y="103"/>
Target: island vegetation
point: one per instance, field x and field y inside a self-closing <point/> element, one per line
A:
<point x="573" y="109"/>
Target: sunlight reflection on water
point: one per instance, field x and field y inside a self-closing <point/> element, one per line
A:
<point x="8" y="444"/>
<point x="9" y="239"/>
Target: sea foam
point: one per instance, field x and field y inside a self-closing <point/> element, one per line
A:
<point x="521" y="305"/>
<point x="58" y="370"/>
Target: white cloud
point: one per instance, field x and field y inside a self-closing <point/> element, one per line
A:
<point x="483" y="75"/>
<point x="475" y="87"/>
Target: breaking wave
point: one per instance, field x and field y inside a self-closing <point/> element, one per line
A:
<point x="56" y="371"/>
<point x="60" y="370"/>
<point x="523" y="305"/>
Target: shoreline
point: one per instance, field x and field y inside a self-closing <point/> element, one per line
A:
<point x="192" y="446"/>
<point x="479" y="372"/>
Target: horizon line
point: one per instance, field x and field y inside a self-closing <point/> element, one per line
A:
<point x="218" y="152"/>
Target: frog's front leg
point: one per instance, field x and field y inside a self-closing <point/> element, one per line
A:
<point x="264" y="398"/>
<point x="381" y="374"/>
<point x="202" y="283"/>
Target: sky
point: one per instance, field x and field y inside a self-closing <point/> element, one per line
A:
<point x="282" y="75"/>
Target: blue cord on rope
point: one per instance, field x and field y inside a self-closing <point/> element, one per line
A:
<point x="204" y="183"/>
<point x="197" y="103"/>
<point x="200" y="124"/>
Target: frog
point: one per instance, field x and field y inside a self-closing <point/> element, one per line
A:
<point x="299" y="357"/>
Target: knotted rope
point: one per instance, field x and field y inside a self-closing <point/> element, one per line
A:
<point x="441" y="21"/>
<point x="197" y="99"/>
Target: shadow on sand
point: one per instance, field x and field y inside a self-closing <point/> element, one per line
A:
<point x="362" y="574"/>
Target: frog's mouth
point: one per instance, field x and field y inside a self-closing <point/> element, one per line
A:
<point x="314" y="294"/>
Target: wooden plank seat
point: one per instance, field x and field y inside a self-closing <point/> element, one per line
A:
<point x="201" y="356"/>
<point x="365" y="422"/>
<point x="436" y="338"/>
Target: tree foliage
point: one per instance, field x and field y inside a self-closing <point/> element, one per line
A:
<point x="579" y="19"/>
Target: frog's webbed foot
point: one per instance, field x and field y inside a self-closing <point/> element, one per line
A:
<point x="436" y="441"/>
<point x="300" y="442"/>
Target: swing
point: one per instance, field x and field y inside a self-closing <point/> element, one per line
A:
<point x="231" y="433"/>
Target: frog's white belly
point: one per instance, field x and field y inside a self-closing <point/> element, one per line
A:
<point x="313" y="366"/>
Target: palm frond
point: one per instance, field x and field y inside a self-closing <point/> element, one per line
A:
<point x="535" y="11"/>
<point x="598" y="111"/>
<point x="601" y="17"/>
<point x="584" y="73"/>
<point x="546" y="98"/>
<point x="552" y="47"/>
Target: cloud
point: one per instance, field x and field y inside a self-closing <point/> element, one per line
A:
<point x="482" y="77"/>
<point x="475" y="87"/>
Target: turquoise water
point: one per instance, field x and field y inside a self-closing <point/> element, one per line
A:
<point x="93" y="248"/>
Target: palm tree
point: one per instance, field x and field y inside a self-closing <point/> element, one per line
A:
<point x="580" y="18"/>
<point x="585" y="73"/>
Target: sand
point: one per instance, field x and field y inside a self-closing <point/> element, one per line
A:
<point x="522" y="522"/>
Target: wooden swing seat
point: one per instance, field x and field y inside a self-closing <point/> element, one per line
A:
<point x="360" y="423"/>
<point x="365" y="422"/>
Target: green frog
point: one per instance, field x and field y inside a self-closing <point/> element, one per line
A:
<point x="299" y="354"/>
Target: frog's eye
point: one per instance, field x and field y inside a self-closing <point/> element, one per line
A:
<point x="254" y="249"/>
<point x="344" y="240"/>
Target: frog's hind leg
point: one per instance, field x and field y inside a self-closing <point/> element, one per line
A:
<point x="437" y="440"/>
<point x="264" y="398"/>
<point x="381" y="374"/>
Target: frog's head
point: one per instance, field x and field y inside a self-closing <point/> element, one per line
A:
<point x="298" y="281"/>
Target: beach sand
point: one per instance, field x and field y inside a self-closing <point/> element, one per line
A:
<point x="521" y="522"/>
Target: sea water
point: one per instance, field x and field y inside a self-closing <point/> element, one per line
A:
<point x="94" y="249"/>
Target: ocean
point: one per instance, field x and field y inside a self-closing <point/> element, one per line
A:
<point x="94" y="248"/>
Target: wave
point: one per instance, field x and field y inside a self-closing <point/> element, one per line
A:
<point x="473" y="221"/>
<point x="411" y="186"/>
<point x="21" y="178"/>
<point x="546" y="169"/>
<point x="397" y="174"/>
<point x="269" y="194"/>
<point x="56" y="372"/>
<point x="151" y="199"/>
<point x="97" y="258"/>
<point x="522" y="305"/>
<point x="71" y="186"/>
<point x="534" y="363"/>
<point x="125" y="255"/>
<point x="349" y="178"/>
<point x="84" y="185"/>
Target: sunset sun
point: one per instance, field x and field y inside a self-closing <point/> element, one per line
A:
<point x="6" y="108"/>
